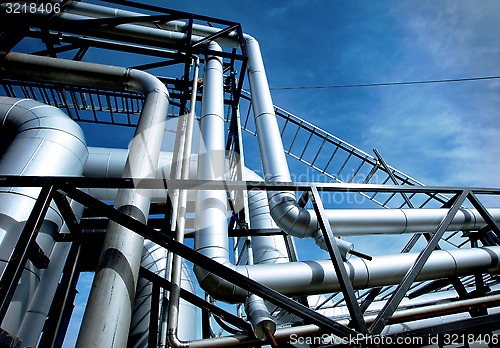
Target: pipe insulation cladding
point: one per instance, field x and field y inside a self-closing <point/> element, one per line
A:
<point x="109" y="163"/>
<point x="317" y="276"/>
<point x="38" y="140"/>
<point x="289" y="216"/>
<point x="115" y="281"/>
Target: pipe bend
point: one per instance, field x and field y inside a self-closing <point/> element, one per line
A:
<point x="145" y="83"/>
<point x="219" y="288"/>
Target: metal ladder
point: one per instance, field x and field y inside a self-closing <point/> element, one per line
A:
<point x="328" y="155"/>
<point x="339" y="161"/>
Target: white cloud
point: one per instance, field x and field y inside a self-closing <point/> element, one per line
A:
<point x="444" y="134"/>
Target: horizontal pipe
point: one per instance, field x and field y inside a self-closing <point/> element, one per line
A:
<point x="288" y="215"/>
<point x="436" y="314"/>
<point x="283" y="206"/>
<point x="109" y="163"/>
<point x="305" y="278"/>
<point x="110" y="328"/>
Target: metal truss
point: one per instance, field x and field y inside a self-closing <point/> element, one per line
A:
<point x="60" y="36"/>
<point x="59" y="189"/>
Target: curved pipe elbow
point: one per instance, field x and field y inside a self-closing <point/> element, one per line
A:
<point x="219" y="288"/>
<point x="30" y="120"/>
<point x="144" y="83"/>
<point x="174" y="340"/>
<point x="20" y="65"/>
<point x="290" y="217"/>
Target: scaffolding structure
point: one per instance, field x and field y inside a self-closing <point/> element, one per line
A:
<point x="436" y="292"/>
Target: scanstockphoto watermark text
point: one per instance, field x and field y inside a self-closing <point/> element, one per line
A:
<point x="377" y="340"/>
<point x="360" y="339"/>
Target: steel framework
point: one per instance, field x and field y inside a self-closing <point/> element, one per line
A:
<point x="350" y="311"/>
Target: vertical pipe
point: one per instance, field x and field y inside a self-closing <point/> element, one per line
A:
<point x="43" y="297"/>
<point x="211" y="206"/>
<point x="116" y="278"/>
<point x="176" y="274"/>
<point x="153" y="259"/>
<point x="37" y="140"/>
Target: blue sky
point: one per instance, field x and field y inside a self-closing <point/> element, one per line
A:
<point x="441" y="134"/>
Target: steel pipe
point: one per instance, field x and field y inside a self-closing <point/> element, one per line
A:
<point x="316" y="275"/>
<point x="39" y="306"/>
<point x="121" y="255"/>
<point x="288" y="215"/>
<point x="38" y="140"/>
<point x="174" y="308"/>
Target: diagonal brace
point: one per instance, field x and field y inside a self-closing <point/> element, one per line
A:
<point x="309" y="315"/>
<point x="338" y="264"/>
<point x="15" y="266"/>
<point x="397" y="296"/>
<point x="492" y="224"/>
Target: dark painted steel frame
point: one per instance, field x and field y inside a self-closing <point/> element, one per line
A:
<point x="17" y="261"/>
<point x="54" y="187"/>
<point x="338" y="264"/>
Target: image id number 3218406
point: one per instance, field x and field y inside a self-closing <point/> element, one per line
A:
<point x="22" y="7"/>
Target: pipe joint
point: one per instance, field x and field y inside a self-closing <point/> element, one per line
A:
<point x="259" y="317"/>
<point x="145" y="83"/>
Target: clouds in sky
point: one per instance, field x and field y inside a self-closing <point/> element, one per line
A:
<point x="445" y="133"/>
<point x="441" y="134"/>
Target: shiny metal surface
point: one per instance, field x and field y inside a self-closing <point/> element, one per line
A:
<point x="41" y="140"/>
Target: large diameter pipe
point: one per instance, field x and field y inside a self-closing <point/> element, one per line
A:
<point x="305" y="278"/>
<point x="40" y="303"/>
<point x="211" y="206"/>
<point x="438" y="314"/>
<point x="116" y="279"/>
<point x="109" y="163"/>
<point x="288" y="215"/>
<point x="316" y="277"/>
<point x="38" y="140"/>
<point x="153" y="259"/>
<point x="120" y="259"/>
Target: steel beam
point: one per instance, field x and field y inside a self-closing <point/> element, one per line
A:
<point x="338" y="264"/>
<point x="308" y="315"/>
<point x="153" y="317"/>
<point x="484" y="213"/>
<point x="197" y="301"/>
<point x="396" y="297"/>
<point x="15" y="266"/>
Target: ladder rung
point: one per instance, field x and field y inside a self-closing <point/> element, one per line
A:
<point x="344" y="164"/>
<point x="357" y="171"/>
<point x="330" y="160"/>
<point x="318" y="152"/>
<point x="306" y="145"/>
<point x="294" y="138"/>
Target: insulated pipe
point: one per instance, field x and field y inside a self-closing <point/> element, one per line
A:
<point x="211" y="206"/>
<point x="153" y="259"/>
<point x="288" y="215"/>
<point x="38" y="309"/>
<point x="39" y="140"/>
<point x="171" y="30"/>
<point x="281" y="203"/>
<point x="180" y="214"/>
<point x="310" y="330"/>
<point x="120" y="259"/>
<point x="314" y="277"/>
<point x="109" y="163"/>
<point x="116" y="279"/>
